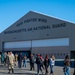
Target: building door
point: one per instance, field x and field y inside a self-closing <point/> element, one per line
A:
<point x="72" y="54"/>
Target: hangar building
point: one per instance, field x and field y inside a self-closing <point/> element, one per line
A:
<point x="39" y="33"/>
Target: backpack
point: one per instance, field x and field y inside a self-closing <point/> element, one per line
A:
<point x="38" y="60"/>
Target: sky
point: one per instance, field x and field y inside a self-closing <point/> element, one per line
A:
<point x="12" y="10"/>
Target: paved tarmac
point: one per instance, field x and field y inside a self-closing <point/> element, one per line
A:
<point x="26" y="71"/>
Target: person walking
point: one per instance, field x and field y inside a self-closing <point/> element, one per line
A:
<point x="46" y="63"/>
<point x="7" y="59"/>
<point x="32" y="62"/>
<point x="25" y="61"/>
<point x="11" y="62"/>
<point x="52" y="63"/>
<point x="67" y="65"/>
<point x="20" y="60"/>
<point x="5" y="56"/>
<point x="38" y="62"/>
<point x="16" y="59"/>
<point x="41" y="61"/>
<point x="2" y="58"/>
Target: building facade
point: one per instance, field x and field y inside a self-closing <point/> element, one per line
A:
<point x="39" y="33"/>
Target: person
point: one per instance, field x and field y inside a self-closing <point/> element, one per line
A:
<point x="16" y="59"/>
<point x="52" y="63"/>
<point x="66" y="68"/>
<point x="5" y="56"/>
<point x="7" y="59"/>
<point x="46" y="63"/>
<point x="32" y="62"/>
<point x="11" y="62"/>
<point x="2" y="58"/>
<point x="25" y="61"/>
<point x="42" y="61"/>
<point x="38" y="62"/>
<point x="20" y="60"/>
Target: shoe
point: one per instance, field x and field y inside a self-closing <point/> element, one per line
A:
<point x="9" y="71"/>
<point x="12" y="71"/>
<point x="37" y="74"/>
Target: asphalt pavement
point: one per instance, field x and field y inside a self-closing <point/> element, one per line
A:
<point x="26" y="71"/>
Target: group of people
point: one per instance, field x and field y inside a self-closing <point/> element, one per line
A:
<point x="42" y="63"/>
<point x="45" y="63"/>
<point x="10" y="60"/>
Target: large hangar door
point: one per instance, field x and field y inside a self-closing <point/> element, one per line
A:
<point x="19" y="46"/>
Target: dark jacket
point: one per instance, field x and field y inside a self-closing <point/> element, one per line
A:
<point x="46" y="62"/>
<point x="38" y="60"/>
<point x="32" y="60"/>
<point x="20" y="57"/>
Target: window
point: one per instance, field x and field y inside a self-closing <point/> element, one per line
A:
<point x="51" y="42"/>
<point x="58" y="54"/>
<point x="19" y="44"/>
<point x="63" y="54"/>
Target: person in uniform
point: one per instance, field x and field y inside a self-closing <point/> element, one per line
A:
<point x="11" y="62"/>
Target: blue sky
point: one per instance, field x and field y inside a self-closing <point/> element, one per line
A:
<point x="12" y="10"/>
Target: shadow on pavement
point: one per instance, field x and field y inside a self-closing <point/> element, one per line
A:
<point x="18" y="73"/>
